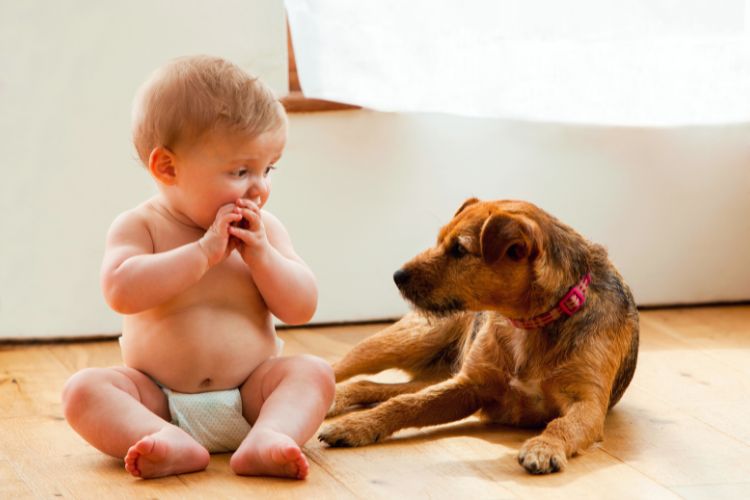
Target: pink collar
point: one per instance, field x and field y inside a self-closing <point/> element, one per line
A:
<point x="569" y="305"/>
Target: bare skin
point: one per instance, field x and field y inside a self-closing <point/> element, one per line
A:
<point x="198" y="293"/>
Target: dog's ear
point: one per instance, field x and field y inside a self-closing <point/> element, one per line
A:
<point x="469" y="201"/>
<point x="504" y="235"/>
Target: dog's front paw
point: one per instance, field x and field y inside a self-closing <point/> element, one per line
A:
<point x="350" y="432"/>
<point x="540" y="455"/>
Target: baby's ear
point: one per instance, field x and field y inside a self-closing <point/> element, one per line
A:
<point x="162" y="166"/>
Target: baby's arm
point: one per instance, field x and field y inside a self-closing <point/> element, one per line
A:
<point x="287" y="285"/>
<point x="135" y="279"/>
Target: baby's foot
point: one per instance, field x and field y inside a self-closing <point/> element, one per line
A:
<point x="266" y="452"/>
<point x="165" y="452"/>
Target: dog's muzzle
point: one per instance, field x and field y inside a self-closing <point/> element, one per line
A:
<point x="418" y="294"/>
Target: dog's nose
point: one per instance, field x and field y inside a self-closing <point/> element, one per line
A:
<point x="401" y="277"/>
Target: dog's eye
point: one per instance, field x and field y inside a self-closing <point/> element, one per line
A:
<point x="457" y="250"/>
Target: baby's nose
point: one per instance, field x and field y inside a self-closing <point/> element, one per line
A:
<point x="256" y="191"/>
<point x="254" y="196"/>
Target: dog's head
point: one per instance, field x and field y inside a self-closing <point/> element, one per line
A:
<point x="484" y="259"/>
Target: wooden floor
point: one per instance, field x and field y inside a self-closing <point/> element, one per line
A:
<point x="682" y="430"/>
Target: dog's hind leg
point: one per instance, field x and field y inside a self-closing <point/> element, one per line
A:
<point x="365" y="392"/>
<point x="415" y="344"/>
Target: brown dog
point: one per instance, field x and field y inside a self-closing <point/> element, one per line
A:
<point x="518" y="317"/>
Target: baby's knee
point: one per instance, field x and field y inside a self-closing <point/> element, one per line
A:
<point x="79" y="388"/>
<point x="320" y="373"/>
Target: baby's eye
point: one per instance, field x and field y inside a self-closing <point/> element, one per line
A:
<point x="268" y="169"/>
<point x="240" y="172"/>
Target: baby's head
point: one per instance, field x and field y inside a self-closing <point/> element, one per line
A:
<point x="209" y="133"/>
<point x="192" y="96"/>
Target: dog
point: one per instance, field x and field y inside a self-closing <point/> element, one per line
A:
<point x="517" y="317"/>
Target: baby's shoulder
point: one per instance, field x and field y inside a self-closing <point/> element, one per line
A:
<point x="277" y="234"/>
<point x="269" y="218"/>
<point x="133" y="222"/>
<point x="273" y="225"/>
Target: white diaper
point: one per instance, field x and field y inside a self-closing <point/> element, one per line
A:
<point x="214" y="419"/>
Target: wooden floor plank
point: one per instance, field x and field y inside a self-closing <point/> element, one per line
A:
<point x="672" y="446"/>
<point x="595" y="474"/>
<point x="76" y="356"/>
<point x="681" y="431"/>
<point x="737" y="491"/>
<point x="710" y="387"/>
<point x="328" y="343"/>
<point x="30" y="379"/>
<point x="11" y="484"/>
<point x="218" y="482"/>
<point x="407" y="466"/>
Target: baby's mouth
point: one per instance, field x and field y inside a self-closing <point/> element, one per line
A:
<point x="242" y="223"/>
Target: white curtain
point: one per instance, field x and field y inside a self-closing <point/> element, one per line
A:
<point x="613" y="62"/>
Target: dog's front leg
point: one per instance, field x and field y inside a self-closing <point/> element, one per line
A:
<point x="365" y="392"/>
<point x="576" y="430"/>
<point x="447" y="401"/>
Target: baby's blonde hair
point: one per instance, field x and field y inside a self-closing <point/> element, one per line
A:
<point x="193" y="95"/>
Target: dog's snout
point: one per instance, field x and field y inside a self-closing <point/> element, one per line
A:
<point x="401" y="277"/>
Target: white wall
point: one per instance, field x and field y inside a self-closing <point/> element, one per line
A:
<point x="360" y="192"/>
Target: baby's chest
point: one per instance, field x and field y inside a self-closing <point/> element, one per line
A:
<point x="230" y="279"/>
<point x="166" y="235"/>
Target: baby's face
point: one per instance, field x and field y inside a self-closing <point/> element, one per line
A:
<point x="222" y="168"/>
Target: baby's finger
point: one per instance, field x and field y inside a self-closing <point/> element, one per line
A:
<point x="226" y="220"/>
<point x="248" y="203"/>
<point x="225" y="209"/>
<point x="244" y="235"/>
<point x="230" y="217"/>
<point x="224" y="216"/>
<point x="233" y="244"/>
<point x="252" y="218"/>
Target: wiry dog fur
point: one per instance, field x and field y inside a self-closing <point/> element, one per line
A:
<point x="493" y="261"/>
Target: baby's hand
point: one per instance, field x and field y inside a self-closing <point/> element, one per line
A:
<point x="216" y="243"/>
<point x="252" y="233"/>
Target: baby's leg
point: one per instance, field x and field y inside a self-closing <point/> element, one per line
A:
<point x="285" y="400"/>
<point x="124" y="413"/>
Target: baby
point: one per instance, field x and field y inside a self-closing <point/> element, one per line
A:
<point x="198" y="271"/>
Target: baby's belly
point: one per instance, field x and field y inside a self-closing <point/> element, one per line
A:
<point x="200" y="350"/>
